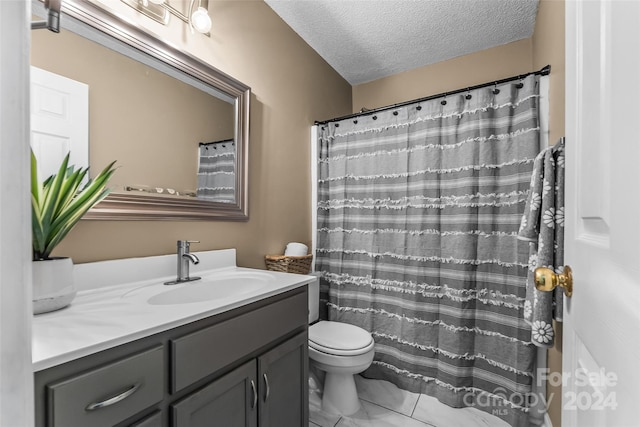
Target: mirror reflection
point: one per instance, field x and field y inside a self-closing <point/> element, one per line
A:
<point x="170" y="138"/>
<point x="147" y="105"/>
<point x="216" y="171"/>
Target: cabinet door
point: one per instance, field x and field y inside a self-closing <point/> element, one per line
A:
<point x="283" y="377"/>
<point x="229" y="401"/>
<point x="153" y="420"/>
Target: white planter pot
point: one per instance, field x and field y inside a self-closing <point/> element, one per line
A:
<point x="53" y="286"/>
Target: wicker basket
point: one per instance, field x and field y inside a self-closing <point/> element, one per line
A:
<point x="289" y="264"/>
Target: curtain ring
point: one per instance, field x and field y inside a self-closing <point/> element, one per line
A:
<point x="419" y="107"/>
<point x="495" y="90"/>
<point x="375" y="117"/>
<point x="520" y="84"/>
<point x="337" y="125"/>
<point x="468" y="96"/>
<point x="444" y="99"/>
<point x="395" y="113"/>
<point x="355" y="122"/>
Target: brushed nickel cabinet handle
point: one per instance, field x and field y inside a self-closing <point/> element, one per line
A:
<point x="266" y="383"/>
<point x="115" y="399"/>
<point x="255" y="394"/>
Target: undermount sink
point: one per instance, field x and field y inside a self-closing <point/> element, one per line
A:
<point x="212" y="287"/>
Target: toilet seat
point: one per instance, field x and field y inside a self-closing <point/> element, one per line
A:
<point x="340" y="339"/>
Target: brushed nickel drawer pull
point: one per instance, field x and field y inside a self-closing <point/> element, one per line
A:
<point x="115" y="399"/>
<point x="255" y="394"/>
<point x="266" y="383"/>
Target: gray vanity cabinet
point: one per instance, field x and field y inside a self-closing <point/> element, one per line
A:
<point x="270" y="391"/>
<point x="283" y="380"/>
<point x="109" y="394"/>
<point x="230" y="401"/>
<point x="153" y="420"/>
<point x="243" y="368"/>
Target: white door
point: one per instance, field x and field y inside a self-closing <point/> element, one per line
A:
<point x="601" y="342"/>
<point x="59" y="121"/>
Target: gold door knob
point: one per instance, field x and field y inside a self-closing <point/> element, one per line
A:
<point x="546" y="280"/>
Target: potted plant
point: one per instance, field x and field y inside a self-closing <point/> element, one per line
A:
<point x="57" y="204"/>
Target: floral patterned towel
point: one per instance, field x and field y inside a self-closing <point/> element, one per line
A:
<point x="543" y="226"/>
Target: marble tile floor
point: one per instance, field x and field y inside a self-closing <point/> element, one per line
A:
<point x="385" y="405"/>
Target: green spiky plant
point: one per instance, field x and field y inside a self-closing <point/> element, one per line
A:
<point x="58" y="203"/>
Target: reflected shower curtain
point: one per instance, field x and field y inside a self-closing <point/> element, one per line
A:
<point x="216" y="171"/>
<point x="418" y="213"/>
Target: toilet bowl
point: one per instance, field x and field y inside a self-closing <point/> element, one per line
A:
<point x="341" y="350"/>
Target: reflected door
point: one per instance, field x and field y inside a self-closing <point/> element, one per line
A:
<point x="59" y="121"/>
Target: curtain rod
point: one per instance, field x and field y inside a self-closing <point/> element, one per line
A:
<point x="542" y="72"/>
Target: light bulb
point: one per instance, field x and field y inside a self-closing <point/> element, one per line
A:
<point x="201" y="20"/>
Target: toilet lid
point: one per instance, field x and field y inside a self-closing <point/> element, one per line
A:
<point x="338" y="337"/>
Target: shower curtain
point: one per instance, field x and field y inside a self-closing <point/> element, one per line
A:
<point x="216" y="171"/>
<point x="418" y="214"/>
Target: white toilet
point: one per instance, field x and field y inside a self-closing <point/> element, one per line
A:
<point x="341" y="350"/>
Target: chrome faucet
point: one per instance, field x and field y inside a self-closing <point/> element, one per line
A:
<point x="184" y="258"/>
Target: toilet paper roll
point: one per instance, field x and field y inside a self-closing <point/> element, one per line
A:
<point x="296" y="249"/>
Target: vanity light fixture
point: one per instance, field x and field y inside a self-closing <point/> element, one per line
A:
<point x="200" y="20"/>
<point x="52" y="21"/>
<point x="159" y="10"/>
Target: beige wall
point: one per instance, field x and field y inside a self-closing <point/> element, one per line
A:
<point x="545" y="47"/>
<point x="149" y="122"/>
<point x="292" y="86"/>
<point x="468" y="70"/>
<point x="548" y="48"/>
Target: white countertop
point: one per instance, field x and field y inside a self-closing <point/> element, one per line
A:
<point x="114" y="314"/>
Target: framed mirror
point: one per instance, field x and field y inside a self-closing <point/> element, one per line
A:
<point x="177" y="127"/>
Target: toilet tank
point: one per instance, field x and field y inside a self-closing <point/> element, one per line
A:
<point x="314" y="298"/>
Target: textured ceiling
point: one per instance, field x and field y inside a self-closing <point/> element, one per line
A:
<point x="365" y="40"/>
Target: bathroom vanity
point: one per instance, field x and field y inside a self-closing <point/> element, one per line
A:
<point x="144" y="354"/>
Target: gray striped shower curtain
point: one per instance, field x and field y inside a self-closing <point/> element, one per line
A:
<point x="216" y="172"/>
<point x="418" y="214"/>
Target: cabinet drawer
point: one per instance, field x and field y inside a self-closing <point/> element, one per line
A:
<point x="196" y="355"/>
<point x="108" y="395"/>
